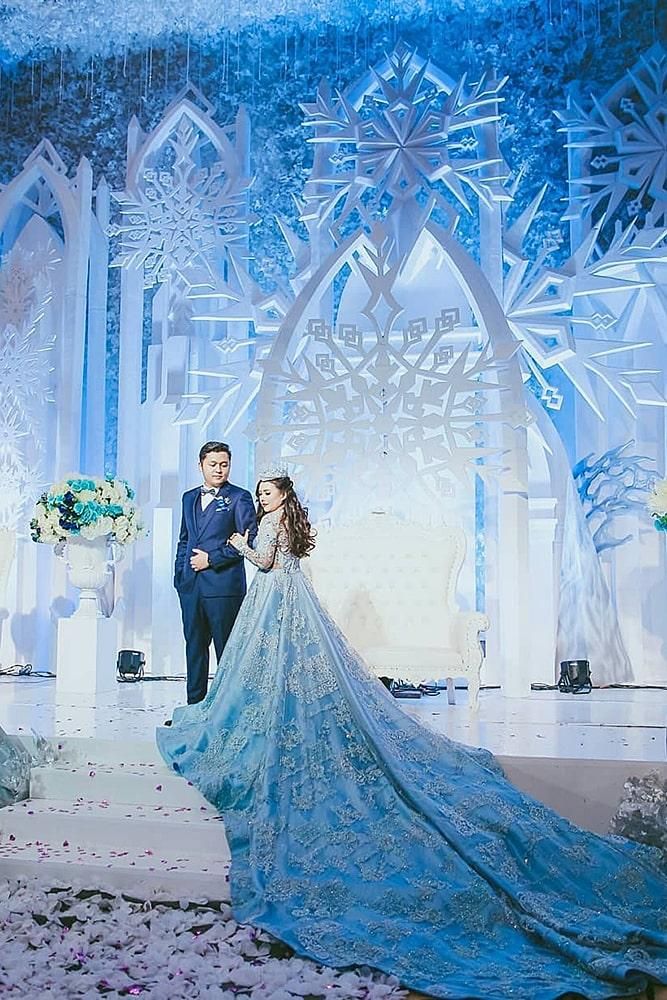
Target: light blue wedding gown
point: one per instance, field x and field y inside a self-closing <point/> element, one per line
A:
<point x="360" y="838"/>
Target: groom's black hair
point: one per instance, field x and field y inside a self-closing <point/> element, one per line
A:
<point x="210" y="446"/>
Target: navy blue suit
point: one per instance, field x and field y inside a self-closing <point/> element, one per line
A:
<point x="211" y="598"/>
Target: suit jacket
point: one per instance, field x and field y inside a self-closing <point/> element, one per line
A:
<point x="232" y="510"/>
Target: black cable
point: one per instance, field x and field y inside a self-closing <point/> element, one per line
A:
<point x="165" y="677"/>
<point x="24" y="670"/>
<point x="605" y="687"/>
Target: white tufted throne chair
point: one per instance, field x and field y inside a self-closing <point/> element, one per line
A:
<point x="391" y="588"/>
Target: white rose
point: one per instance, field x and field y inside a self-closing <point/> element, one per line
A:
<point x="121" y="528"/>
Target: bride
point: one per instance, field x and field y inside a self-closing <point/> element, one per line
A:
<point x="360" y="838"/>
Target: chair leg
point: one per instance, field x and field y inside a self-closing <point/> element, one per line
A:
<point x="451" y="691"/>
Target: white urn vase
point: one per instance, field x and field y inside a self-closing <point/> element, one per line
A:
<point x="89" y="562"/>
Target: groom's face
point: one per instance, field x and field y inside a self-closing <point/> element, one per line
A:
<point x="215" y="468"/>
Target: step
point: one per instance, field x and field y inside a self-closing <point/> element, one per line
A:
<point x="133" y="784"/>
<point x="74" y="750"/>
<point x="91" y="824"/>
<point x="142" y="875"/>
<point x="110" y="813"/>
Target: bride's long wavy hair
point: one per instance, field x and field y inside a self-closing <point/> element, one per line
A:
<point x="300" y="532"/>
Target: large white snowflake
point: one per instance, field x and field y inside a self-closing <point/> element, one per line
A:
<point x="551" y="310"/>
<point x="407" y="135"/>
<point x="626" y="136"/>
<point x="183" y="214"/>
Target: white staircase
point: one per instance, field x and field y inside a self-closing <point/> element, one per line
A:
<point x="110" y="814"/>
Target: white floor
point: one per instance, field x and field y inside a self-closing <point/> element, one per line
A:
<point x="609" y="724"/>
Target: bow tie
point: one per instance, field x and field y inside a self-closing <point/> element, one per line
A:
<point x="209" y="489"/>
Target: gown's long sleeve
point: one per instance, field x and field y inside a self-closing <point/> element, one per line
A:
<point x="264" y="553"/>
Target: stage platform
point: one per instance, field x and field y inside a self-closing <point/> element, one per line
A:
<point x="109" y="812"/>
<point x="609" y="724"/>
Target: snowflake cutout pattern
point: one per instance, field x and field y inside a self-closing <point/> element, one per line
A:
<point x="627" y="140"/>
<point x="408" y="135"/>
<point x="550" y="310"/>
<point x="184" y="215"/>
<point x="24" y="366"/>
<point x="25" y="376"/>
<point x="356" y="392"/>
<point x="21" y="277"/>
<point x="17" y="481"/>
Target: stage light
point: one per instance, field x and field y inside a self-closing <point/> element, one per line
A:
<point x="130" y="665"/>
<point x="575" y="677"/>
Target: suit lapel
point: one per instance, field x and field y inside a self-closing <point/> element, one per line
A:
<point x="191" y="512"/>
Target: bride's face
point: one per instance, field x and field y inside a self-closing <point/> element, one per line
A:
<point x="270" y="497"/>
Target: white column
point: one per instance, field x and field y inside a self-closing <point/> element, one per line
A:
<point x="514" y="585"/>
<point x="543" y="590"/>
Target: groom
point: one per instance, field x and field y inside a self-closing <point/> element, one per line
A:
<point x="209" y="574"/>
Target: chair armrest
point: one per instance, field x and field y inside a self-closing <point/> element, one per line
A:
<point x="465" y="631"/>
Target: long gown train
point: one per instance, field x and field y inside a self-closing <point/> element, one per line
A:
<point x="358" y="837"/>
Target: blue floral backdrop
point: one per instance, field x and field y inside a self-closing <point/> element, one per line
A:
<point x="82" y="95"/>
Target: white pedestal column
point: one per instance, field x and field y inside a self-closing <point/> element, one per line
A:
<point x="86" y="660"/>
<point x="87" y="642"/>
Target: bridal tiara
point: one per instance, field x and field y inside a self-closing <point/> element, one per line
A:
<point x="273" y="472"/>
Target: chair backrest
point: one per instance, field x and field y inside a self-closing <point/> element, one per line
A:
<point x="388" y="582"/>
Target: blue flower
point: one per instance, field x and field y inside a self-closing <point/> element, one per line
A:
<point x="87" y="512"/>
<point x="77" y="485"/>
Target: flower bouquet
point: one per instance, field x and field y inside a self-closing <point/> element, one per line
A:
<point x="657" y="504"/>
<point x="87" y="508"/>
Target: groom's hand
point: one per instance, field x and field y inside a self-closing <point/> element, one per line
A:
<point x="199" y="560"/>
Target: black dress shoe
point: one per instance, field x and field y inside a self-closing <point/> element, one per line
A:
<point x="402" y="689"/>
